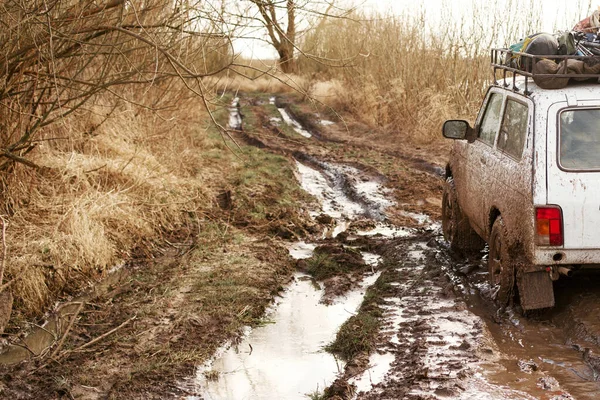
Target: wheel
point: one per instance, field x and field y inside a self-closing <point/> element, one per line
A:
<point x="455" y="226"/>
<point x="501" y="268"/>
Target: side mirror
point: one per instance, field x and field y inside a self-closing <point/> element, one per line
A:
<point x="458" y="129"/>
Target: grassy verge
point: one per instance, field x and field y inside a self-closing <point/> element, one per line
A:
<point x="334" y="260"/>
<point x="358" y="334"/>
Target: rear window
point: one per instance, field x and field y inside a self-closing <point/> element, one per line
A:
<point x="579" y="143"/>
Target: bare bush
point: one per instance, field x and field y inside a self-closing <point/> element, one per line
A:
<point x="58" y="55"/>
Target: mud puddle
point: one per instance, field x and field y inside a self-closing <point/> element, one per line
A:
<point x="431" y="345"/>
<point x="552" y="354"/>
<point x="284" y="359"/>
<point x="41" y="337"/>
<point x="235" y="116"/>
<point x="289" y="120"/>
<point x="563" y="341"/>
<point x="346" y="195"/>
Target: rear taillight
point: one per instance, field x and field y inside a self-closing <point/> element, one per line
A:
<point x="549" y="226"/>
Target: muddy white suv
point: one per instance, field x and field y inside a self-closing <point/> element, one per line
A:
<point x="526" y="181"/>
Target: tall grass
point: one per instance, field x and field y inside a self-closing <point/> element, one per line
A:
<point x="111" y="179"/>
<point x="405" y="74"/>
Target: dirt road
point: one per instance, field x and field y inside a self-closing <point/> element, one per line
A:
<point x="439" y="332"/>
<point x="376" y="307"/>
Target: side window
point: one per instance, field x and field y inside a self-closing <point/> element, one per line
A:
<point x="514" y="129"/>
<point x="490" y="123"/>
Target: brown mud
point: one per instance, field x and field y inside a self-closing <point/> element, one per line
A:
<point x="438" y="333"/>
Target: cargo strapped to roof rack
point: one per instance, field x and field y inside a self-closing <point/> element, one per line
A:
<point x="528" y="66"/>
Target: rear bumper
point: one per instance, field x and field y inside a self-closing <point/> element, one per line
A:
<point x="559" y="256"/>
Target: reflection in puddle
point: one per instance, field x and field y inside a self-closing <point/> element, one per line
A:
<point x="287" y="118"/>
<point x="284" y="359"/>
<point x="235" y="118"/>
<point x="386" y="231"/>
<point x="302" y="250"/>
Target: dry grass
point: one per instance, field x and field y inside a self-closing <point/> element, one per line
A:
<point x="123" y="177"/>
<point x="111" y="184"/>
<point x="269" y="82"/>
<point x="404" y="76"/>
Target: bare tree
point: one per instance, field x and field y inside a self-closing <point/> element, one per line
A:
<point x="57" y="55"/>
<point x="283" y="23"/>
<point x="282" y="37"/>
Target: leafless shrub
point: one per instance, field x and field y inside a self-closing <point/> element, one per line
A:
<point x="57" y="56"/>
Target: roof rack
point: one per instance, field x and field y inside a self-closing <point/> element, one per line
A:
<point x="519" y="63"/>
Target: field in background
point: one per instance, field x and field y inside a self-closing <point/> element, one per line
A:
<point x="119" y="177"/>
<point x="400" y="74"/>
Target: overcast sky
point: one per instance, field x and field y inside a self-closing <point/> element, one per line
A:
<point x="555" y="15"/>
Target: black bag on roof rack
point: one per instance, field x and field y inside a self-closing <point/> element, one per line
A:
<point x="539" y="44"/>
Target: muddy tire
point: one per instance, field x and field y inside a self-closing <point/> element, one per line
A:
<point x="501" y="267"/>
<point x="455" y="226"/>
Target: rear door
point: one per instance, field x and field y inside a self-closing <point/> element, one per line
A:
<point x="573" y="162"/>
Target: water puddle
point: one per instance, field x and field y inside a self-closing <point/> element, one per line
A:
<point x="379" y="365"/>
<point x="551" y="346"/>
<point x="323" y="122"/>
<point x="41" y="337"/>
<point x="386" y="231"/>
<point x="371" y="259"/>
<point x="284" y="359"/>
<point x="343" y="194"/>
<point x="332" y="187"/>
<point x="289" y="120"/>
<point x="430" y="333"/>
<point x="302" y="250"/>
<point x="334" y="201"/>
<point x="421" y="219"/>
<point x="235" y="117"/>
